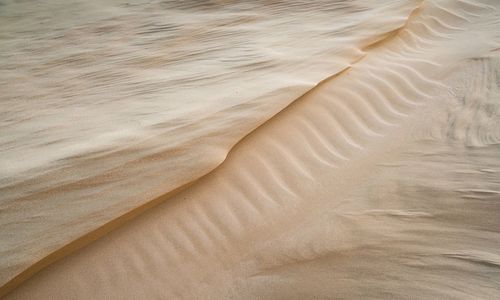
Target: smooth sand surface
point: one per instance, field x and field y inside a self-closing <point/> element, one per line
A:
<point x="381" y="182"/>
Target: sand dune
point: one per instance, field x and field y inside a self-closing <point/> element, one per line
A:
<point x="108" y="105"/>
<point x="380" y="182"/>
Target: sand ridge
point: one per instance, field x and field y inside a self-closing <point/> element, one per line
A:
<point x="360" y="188"/>
<point x="357" y="189"/>
<point x="130" y="108"/>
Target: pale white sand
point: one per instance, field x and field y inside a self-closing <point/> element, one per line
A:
<point x="381" y="182"/>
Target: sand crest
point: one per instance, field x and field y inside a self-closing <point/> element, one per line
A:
<point x="380" y="182"/>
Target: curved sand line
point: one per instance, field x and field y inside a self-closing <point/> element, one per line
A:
<point x="234" y="220"/>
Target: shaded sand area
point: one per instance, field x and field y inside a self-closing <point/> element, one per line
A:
<point x="381" y="182"/>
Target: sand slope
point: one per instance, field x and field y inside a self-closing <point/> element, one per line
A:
<point x="383" y="181"/>
<point x="108" y="106"/>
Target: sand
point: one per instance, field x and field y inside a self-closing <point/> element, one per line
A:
<point x="380" y="182"/>
<point x="107" y="106"/>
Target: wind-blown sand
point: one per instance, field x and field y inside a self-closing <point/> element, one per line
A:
<point x="381" y="182"/>
<point x="107" y="105"/>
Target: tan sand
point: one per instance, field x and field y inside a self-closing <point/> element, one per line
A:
<point x="106" y="106"/>
<point x="381" y="182"/>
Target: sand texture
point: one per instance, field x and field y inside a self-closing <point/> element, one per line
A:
<point x="382" y="181"/>
<point x="107" y="106"/>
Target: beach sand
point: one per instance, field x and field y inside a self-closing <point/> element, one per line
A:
<point x="382" y="181"/>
